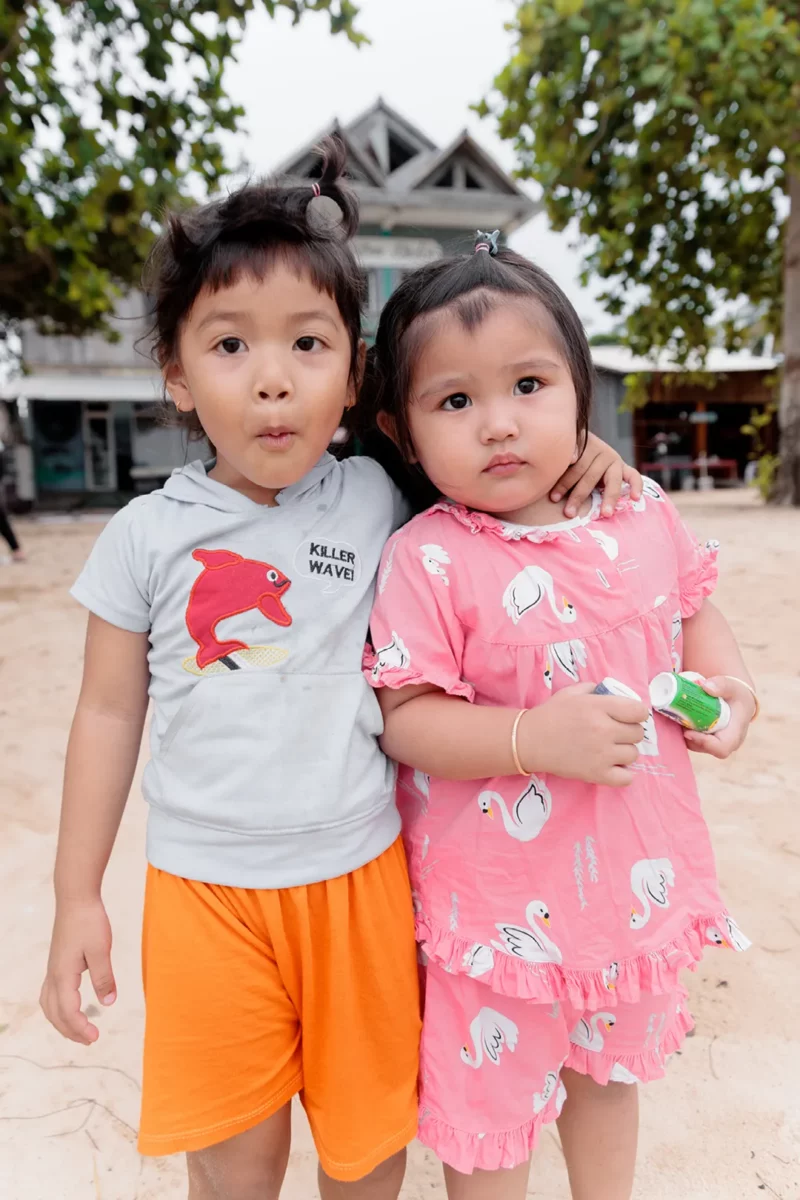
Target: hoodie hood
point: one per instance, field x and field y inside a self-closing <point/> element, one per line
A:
<point x="192" y="484"/>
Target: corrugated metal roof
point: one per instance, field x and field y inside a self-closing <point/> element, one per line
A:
<point x="622" y="361"/>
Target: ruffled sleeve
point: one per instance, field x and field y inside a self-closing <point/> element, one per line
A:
<point x="416" y="636"/>
<point x="697" y="561"/>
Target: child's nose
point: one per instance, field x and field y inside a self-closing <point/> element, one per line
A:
<point x="500" y="424"/>
<point x="273" y="380"/>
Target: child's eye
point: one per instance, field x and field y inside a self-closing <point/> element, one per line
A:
<point x="456" y="403"/>
<point x="230" y="345"/>
<point x="527" y="386"/>
<point x="307" y="343"/>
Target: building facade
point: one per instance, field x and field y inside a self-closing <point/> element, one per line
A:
<point x="88" y="409"/>
<point x="691" y="426"/>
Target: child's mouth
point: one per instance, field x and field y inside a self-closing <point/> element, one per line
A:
<point x="504" y="464"/>
<point x="276" y="439"/>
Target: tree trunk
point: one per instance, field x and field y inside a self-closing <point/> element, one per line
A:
<point x="787" y="484"/>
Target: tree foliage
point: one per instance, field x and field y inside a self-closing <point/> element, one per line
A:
<point x="669" y="130"/>
<point x="109" y="110"/>
<point x="663" y="127"/>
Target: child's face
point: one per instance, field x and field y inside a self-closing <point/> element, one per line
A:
<point x="493" y="410"/>
<point x="266" y="365"/>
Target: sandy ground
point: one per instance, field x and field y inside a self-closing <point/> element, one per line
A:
<point x="724" y="1125"/>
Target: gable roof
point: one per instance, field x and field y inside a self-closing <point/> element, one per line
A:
<point x="396" y="171"/>
<point x="300" y="164"/>
<point x="420" y="172"/>
<point x="361" y="127"/>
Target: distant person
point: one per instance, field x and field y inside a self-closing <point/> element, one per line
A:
<point x="278" y="943"/>
<point x="563" y="874"/>
<point x="6" y="531"/>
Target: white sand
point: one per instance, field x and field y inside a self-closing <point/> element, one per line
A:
<point x="724" y="1125"/>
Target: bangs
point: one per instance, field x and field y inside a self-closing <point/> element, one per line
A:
<point x="322" y="263"/>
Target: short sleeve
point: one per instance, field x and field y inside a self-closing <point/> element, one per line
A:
<point x="113" y="584"/>
<point x="416" y="635"/>
<point x="697" y="562"/>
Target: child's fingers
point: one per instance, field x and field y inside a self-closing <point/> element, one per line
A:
<point x="705" y="743"/>
<point x="627" y="711"/>
<point x="573" y="475"/>
<point x="627" y="752"/>
<point x="101" y="975"/>
<point x="592" y="474"/>
<point x="618" y="777"/>
<point x="612" y="486"/>
<point x="634" y="481"/>
<point x="731" y="690"/>
<point x="61" y="1003"/>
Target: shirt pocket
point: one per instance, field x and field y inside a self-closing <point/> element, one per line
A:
<point x="261" y="753"/>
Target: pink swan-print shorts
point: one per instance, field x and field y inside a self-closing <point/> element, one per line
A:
<point x="491" y="1064"/>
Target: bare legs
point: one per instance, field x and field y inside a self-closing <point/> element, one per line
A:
<point x="488" y="1185"/>
<point x="252" y="1165"/>
<point x="383" y="1183"/>
<point x="249" y="1166"/>
<point x="599" y="1130"/>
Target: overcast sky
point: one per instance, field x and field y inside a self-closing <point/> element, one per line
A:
<point x="429" y="59"/>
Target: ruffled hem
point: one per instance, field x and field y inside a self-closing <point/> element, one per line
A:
<point x="399" y="677"/>
<point x="650" y="974"/>
<point x="703" y="582"/>
<point x="468" y="1152"/>
<point x="509" y="1148"/>
<point x="644" y="1067"/>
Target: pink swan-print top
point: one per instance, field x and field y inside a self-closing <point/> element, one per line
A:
<point x="550" y="888"/>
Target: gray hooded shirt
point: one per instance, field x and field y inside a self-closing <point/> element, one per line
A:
<point x="265" y="767"/>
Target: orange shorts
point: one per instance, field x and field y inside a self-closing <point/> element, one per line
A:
<point x="255" y="995"/>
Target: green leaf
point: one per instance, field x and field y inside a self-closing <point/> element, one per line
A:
<point x="70" y="236"/>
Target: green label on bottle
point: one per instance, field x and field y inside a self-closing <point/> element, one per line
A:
<point x="694" y="707"/>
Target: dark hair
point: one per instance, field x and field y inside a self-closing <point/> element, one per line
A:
<point x="211" y="246"/>
<point x="469" y="285"/>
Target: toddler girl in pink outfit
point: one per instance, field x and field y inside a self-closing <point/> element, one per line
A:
<point x="563" y="873"/>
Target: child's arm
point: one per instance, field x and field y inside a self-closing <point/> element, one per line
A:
<point x="575" y="734"/>
<point x="710" y="648"/>
<point x="101" y="759"/>
<point x="599" y="464"/>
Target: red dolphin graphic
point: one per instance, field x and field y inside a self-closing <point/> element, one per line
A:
<point x="230" y="585"/>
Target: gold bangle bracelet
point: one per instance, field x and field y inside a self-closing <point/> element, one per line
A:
<point x="514" y="748"/>
<point x="751" y="690"/>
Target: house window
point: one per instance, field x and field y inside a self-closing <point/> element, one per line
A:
<point x="471" y="182"/>
<point x="446" y="180"/>
<point x="399" y="152"/>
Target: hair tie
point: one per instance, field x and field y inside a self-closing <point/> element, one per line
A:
<point x="487" y="241"/>
<point x="315" y="189"/>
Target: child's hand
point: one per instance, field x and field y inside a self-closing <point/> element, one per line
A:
<point x="580" y="735"/>
<point x="599" y="463"/>
<point x="81" y="941"/>
<point x="743" y="707"/>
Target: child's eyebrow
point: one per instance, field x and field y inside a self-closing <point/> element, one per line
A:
<point x="535" y="364"/>
<point x="314" y="314"/>
<point x="212" y="317"/>
<point x="443" y="385"/>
